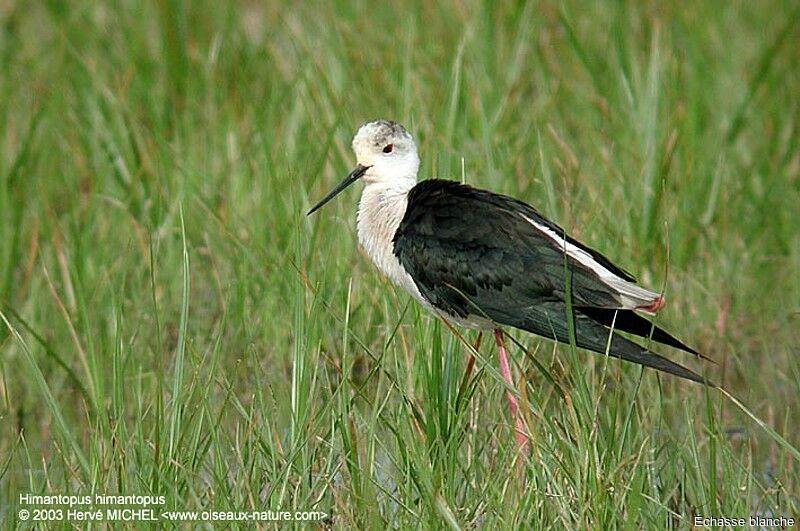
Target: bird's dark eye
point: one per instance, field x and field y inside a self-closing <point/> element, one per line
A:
<point x="388" y="148"/>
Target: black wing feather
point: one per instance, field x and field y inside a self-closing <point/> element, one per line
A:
<point x="550" y="320"/>
<point x="631" y="322"/>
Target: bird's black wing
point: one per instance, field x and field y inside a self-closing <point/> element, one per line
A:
<point x="472" y="254"/>
<point x="457" y="238"/>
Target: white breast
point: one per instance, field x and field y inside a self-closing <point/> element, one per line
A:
<point x="380" y="212"/>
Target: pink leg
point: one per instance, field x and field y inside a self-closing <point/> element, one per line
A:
<point x="513" y="406"/>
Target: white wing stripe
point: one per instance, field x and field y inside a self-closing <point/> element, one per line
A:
<point x="631" y="296"/>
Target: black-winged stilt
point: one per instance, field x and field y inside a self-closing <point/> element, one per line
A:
<point x="483" y="260"/>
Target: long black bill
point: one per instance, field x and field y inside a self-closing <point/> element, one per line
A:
<point x="350" y="179"/>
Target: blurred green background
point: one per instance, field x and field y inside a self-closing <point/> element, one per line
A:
<point x="173" y="324"/>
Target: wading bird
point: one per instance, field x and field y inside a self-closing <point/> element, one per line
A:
<point x="483" y="260"/>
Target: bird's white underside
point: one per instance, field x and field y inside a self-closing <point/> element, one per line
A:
<point x="632" y="296"/>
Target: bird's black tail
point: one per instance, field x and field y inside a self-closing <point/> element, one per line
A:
<point x="633" y="323"/>
<point x="550" y="320"/>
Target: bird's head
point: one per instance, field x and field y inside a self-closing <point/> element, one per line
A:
<point x="387" y="150"/>
<point x="385" y="154"/>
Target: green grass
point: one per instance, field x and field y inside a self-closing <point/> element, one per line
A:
<point x="173" y="324"/>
